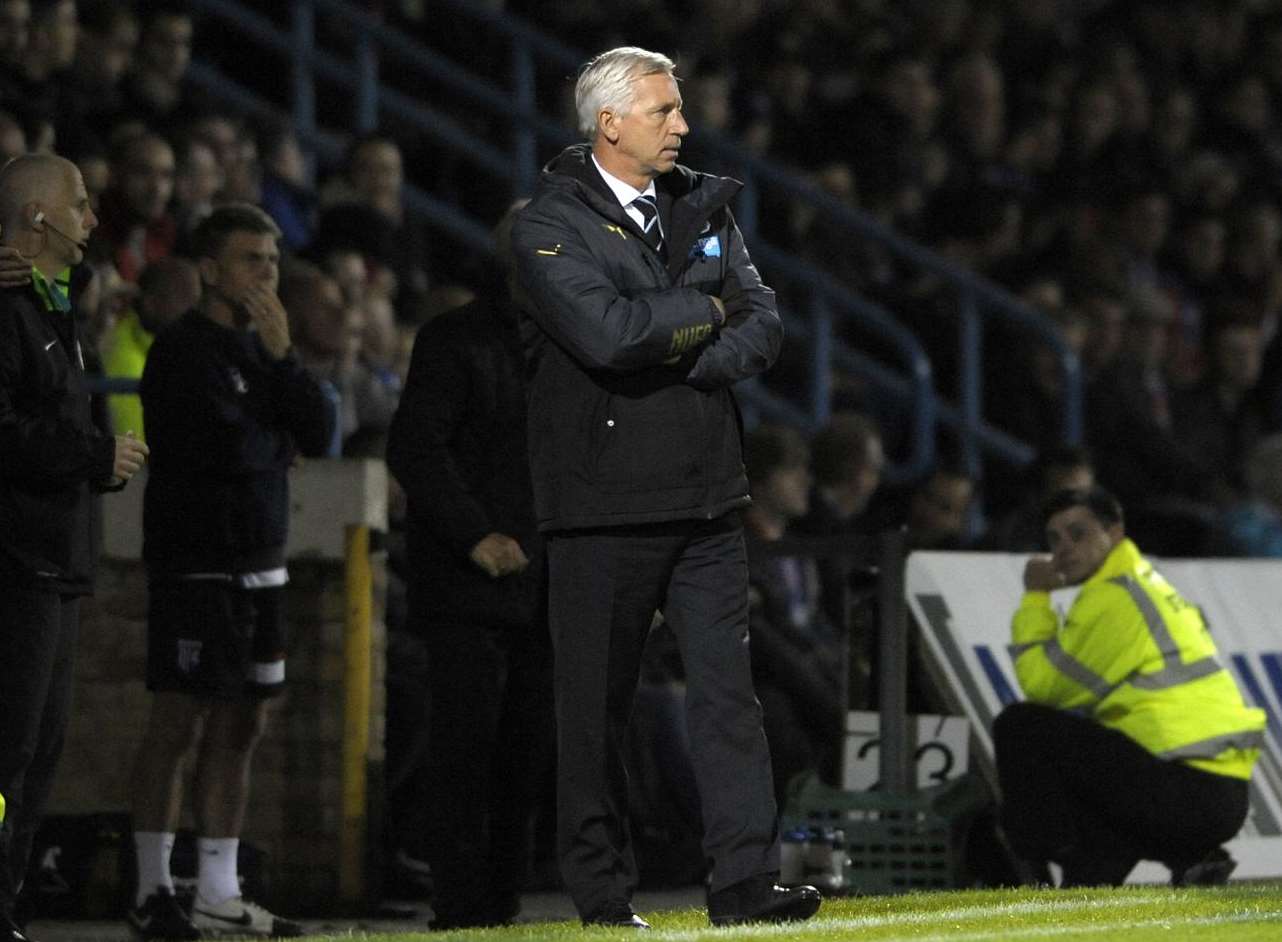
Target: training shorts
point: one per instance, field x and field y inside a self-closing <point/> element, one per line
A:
<point x="214" y="638"/>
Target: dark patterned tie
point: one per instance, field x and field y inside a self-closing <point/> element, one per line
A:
<point x="649" y="210"/>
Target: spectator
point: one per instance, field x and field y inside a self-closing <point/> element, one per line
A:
<point x="1137" y="453"/>
<point x="1026" y="397"/>
<point x="104" y="52"/>
<point x="167" y="289"/>
<point x="1131" y="722"/>
<point x="371" y="290"/>
<point x="1253" y="526"/>
<point x="1192" y="276"/>
<point x="1175" y="120"/>
<point x="380" y="342"/>
<point x="1086" y="167"/>
<point x="1105" y="312"/>
<point x="237" y="152"/>
<point x="1220" y="419"/>
<point x="137" y="227"/>
<point x="286" y="189"/>
<point x="1022" y="530"/>
<point x="847" y="461"/>
<point x="974" y="118"/>
<point x="199" y="182"/>
<point x="226" y="409"/>
<point x="457" y="447"/>
<point x="1253" y="265"/>
<point x="1144" y="221"/>
<point x="15" y="31"/>
<point x="374" y="179"/>
<point x="328" y="333"/>
<point x="156" y="91"/>
<point x="939" y="510"/>
<point x="797" y="654"/>
<point x="47" y="55"/>
<point x="977" y="228"/>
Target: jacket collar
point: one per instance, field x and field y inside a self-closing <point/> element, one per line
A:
<point x="54" y="293"/>
<point x="686" y="197"/>
<point x="1124" y="559"/>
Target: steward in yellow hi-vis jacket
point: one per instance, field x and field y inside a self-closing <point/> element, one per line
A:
<point x="1134" y="742"/>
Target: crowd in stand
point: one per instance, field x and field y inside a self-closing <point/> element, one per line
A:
<point x="1113" y="164"/>
<point x="1116" y="165"/>
<point x="105" y="84"/>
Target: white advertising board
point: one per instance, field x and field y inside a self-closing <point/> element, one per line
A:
<point x="964" y="601"/>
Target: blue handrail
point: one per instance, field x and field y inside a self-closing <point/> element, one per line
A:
<point x="517" y="166"/>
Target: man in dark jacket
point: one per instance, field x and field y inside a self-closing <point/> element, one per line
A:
<point x="643" y="309"/>
<point x="54" y="458"/>
<point x="226" y="404"/>
<point x="457" y="447"/>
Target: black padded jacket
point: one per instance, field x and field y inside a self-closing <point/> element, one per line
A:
<point x="631" y="414"/>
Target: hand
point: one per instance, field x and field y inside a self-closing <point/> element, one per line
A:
<point x="15" y="271"/>
<point x="131" y="455"/>
<point x="721" y="309"/>
<point x="499" y="555"/>
<point x="1040" y="575"/>
<point x="268" y="316"/>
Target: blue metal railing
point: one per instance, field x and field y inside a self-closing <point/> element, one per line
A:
<point x="812" y="318"/>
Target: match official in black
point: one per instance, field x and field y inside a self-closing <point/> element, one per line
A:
<point x="52" y="461"/>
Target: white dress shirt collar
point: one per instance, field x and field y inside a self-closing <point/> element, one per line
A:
<point x="625" y="193"/>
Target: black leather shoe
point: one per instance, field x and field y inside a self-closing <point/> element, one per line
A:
<point x="10" y="931"/>
<point x="1212" y="870"/>
<point x="617" y="914"/>
<point x="761" y="899"/>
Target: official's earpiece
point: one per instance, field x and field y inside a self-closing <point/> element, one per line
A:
<point x="39" y="219"/>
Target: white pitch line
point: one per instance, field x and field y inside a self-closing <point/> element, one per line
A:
<point x="1052" y="931"/>
<point x="960" y="913"/>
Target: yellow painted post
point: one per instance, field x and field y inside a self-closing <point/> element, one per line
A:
<point x="356" y="710"/>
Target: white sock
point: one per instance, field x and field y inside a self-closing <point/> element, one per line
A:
<point x="216" y="876"/>
<point x="153" y="849"/>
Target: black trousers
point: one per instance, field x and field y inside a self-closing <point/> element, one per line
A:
<point x="489" y="749"/>
<point x="606" y="585"/>
<point x="1096" y="802"/>
<point x="38" y="631"/>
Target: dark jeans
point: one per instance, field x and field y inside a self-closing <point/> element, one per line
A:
<point x="606" y="585"/>
<point x="489" y="746"/>
<point x="1096" y="802"/>
<point x="37" y="656"/>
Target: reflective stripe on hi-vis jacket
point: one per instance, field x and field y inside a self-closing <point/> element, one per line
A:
<point x="1138" y="657"/>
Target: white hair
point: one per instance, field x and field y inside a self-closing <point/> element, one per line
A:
<point x="606" y="82"/>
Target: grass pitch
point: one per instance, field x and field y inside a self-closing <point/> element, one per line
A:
<point x="1247" y="912"/>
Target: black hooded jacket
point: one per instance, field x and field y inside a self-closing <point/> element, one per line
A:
<point x="631" y="415"/>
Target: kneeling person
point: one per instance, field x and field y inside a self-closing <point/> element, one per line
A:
<point x="1134" y="742"/>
